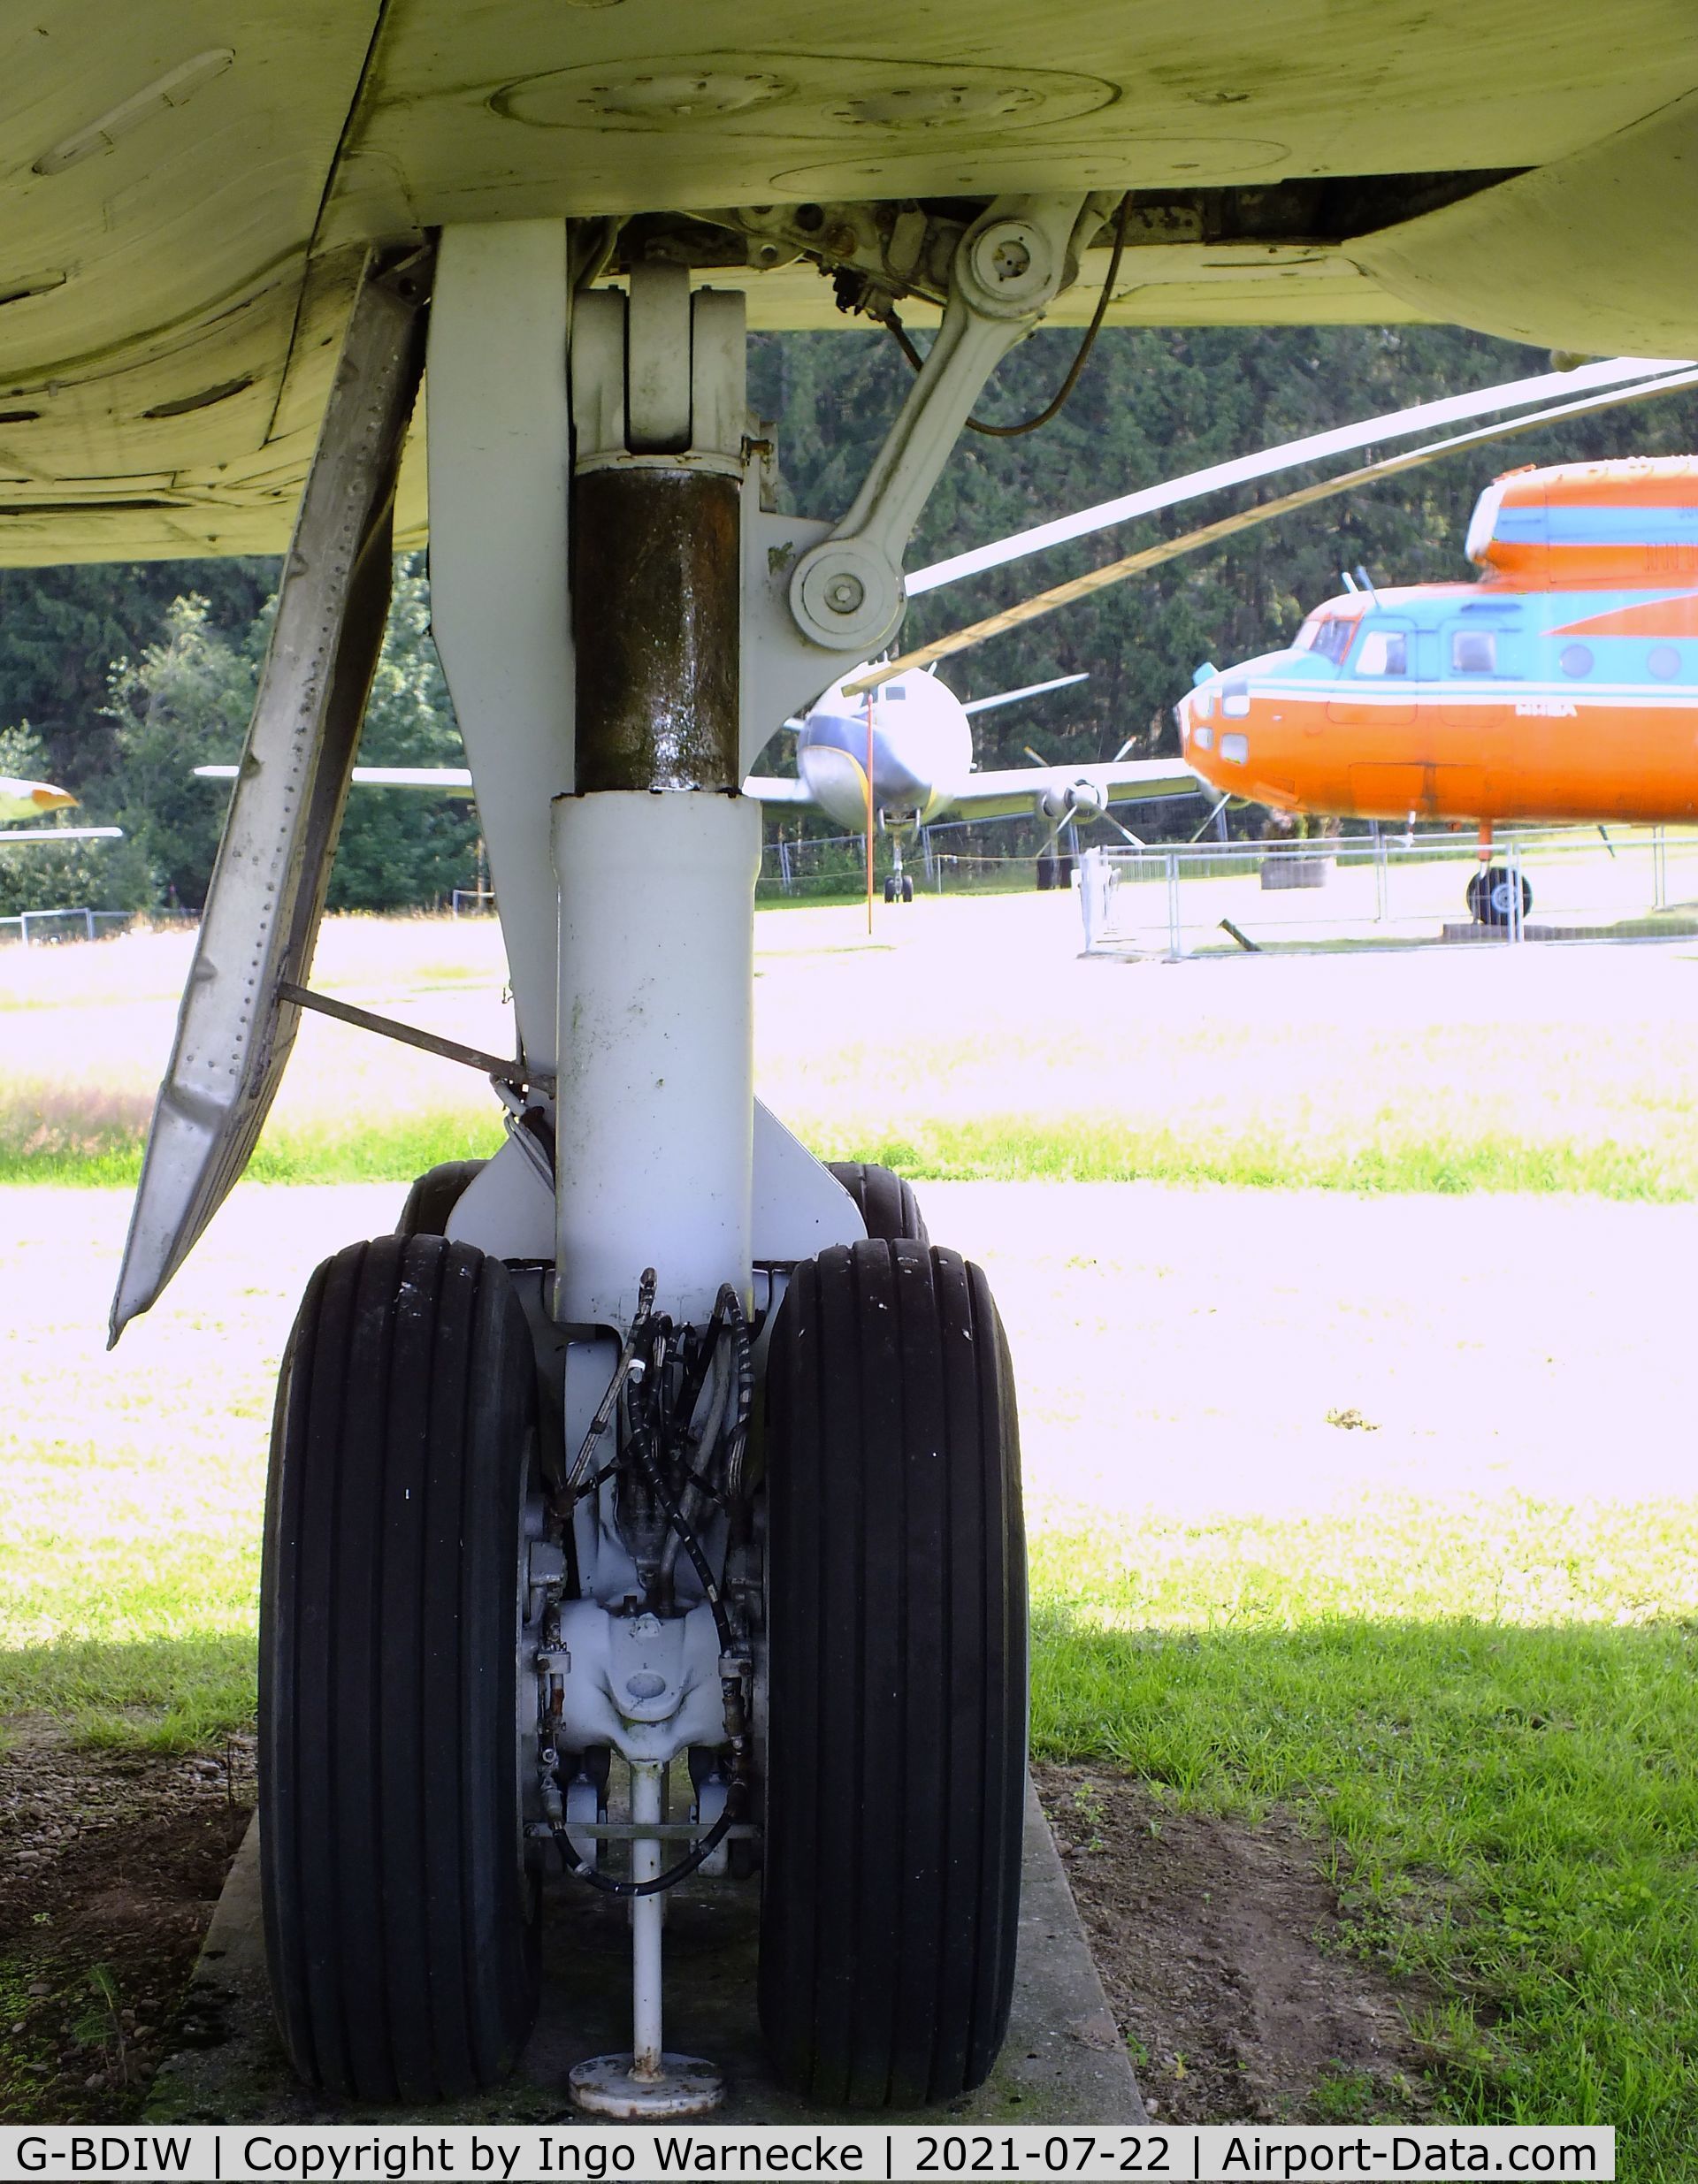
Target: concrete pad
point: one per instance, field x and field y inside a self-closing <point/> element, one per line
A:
<point x="1064" y="2061"/>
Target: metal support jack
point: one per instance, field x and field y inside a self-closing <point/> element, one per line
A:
<point x="648" y="2084"/>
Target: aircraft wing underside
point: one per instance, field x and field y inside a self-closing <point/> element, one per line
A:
<point x="191" y="188"/>
<point x="1012" y="790"/>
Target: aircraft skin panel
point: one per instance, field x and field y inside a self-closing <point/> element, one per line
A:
<point x="192" y="187"/>
<point x="1538" y="754"/>
<point x="505" y="111"/>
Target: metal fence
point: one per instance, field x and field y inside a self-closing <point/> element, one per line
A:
<point x="36" y="928"/>
<point x="954" y="855"/>
<point x="1541" y="884"/>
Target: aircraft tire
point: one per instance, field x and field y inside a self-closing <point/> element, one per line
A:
<point x="890" y="889"/>
<point x="1489" y="897"/>
<point x="896" y="1755"/>
<point x="433" y="1197"/>
<point x="907" y="889"/>
<point x="401" y="1918"/>
<point x="888" y="1205"/>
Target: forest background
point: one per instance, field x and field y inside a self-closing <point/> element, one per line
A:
<point x="116" y="680"/>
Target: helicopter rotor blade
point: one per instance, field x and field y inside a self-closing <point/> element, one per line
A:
<point x="1610" y="372"/>
<point x="1247" y="519"/>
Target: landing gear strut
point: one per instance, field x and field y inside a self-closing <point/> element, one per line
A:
<point x="521" y="1524"/>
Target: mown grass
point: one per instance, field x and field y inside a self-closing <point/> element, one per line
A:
<point x="128" y="1591"/>
<point x="85" y="1136"/>
<point x="65" y="1136"/>
<point x="1400" y="1157"/>
<point x="1488" y="1714"/>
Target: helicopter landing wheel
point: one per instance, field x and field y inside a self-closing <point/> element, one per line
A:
<point x="1491" y="895"/>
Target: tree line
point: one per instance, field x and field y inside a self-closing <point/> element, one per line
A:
<point x="117" y="680"/>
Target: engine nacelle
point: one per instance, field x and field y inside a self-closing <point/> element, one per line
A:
<point x="1078" y="799"/>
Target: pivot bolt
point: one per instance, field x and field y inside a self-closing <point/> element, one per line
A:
<point x="1011" y="268"/>
<point x="1011" y="260"/>
<point x="845" y="594"/>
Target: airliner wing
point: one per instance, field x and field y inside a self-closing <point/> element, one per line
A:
<point x="1016" y="789"/>
<point x="450" y="780"/>
<point x="775" y="789"/>
<point x="56" y="837"/>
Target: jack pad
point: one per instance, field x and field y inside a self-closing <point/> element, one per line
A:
<point x="609" y="2085"/>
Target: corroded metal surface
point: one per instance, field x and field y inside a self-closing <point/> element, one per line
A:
<point x="657" y="620"/>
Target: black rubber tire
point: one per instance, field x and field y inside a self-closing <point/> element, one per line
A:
<point x="434" y="1195"/>
<point x="907" y="889"/>
<point x="1489" y="899"/>
<point x="888" y="1205"/>
<point x="896" y="1756"/>
<point x="890" y="889"/>
<point x="400" y="1922"/>
<point x="1045" y="873"/>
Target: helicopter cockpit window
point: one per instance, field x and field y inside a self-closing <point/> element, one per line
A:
<point x="1473" y="652"/>
<point x="1384" y="652"/>
<point x="1330" y="637"/>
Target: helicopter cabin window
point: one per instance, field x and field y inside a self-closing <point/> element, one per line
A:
<point x="1235" y="749"/>
<point x="1664" y="662"/>
<point x="1203" y="737"/>
<point x="893" y="694"/>
<point x="1384" y="652"/>
<point x="1575" y="660"/>
<point x="1473" y="652"/>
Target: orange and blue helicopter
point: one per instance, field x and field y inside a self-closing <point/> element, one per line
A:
<point x="1561" y="685"/>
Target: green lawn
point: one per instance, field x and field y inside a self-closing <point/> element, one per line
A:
<point x="1488" y="1715"/>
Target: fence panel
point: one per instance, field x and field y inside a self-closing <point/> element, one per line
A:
<point x="1538" y="884"/>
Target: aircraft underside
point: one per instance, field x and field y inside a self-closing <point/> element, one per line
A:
<point x="652" y="1441"/>
<point x="192" y="190"/>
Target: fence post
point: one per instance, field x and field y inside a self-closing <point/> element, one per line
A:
<point x="1379" y="905"/>
<point x="1173" y="948"/>
<point x="784" y="864"/>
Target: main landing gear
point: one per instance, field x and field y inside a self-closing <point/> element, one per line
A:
<point x="1491" y="895"/>
<point x="648" y="1447"/>
<point x="1496" y="896"/>
<point x="898" y="885"/>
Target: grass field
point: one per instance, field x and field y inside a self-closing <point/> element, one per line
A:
<point x="965" y="1040"/>
<point x="1379" y="1511"/>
